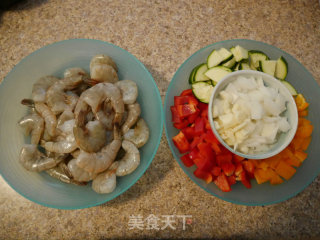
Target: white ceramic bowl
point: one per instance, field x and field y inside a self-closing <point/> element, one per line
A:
<point x="291" y="112"/>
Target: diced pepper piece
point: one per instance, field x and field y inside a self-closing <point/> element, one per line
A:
<point x="285" y="170"/>
<point x="303" y="121"/>
<point x="276" y="179"/>
<point x="175" y="116"/>
<point x="180" y="100"/>
<point x="249" y="168"/>
<point x="196" y="140"/>
<point x="203" y="175"/>
<point x="260" y="176"/>
<point x="306" y="143"/>
<point x="202" y="106"/>
<point x="216" y="148"/>
<point x="186" y="110"/>
<point x="181" y="125"/>
<point x="304" y="131"/>
<point x="255" y="162"/>
<point x="199" y="126"/>
<point x="204" y="113"/>
<point x="181" y="142"/>
<point x="206" y="152"/>
<point x="238" y="170"/>
<point x="203" y="164"/>
<point x="244" y="179"/>
<point x="222" y="182"/>
<point x="193" y="101"/>
<point x="187" y="92"/>
<point x="228" y="168"/>
<point x="188" y="132"/>
<point x="262" y="164"/>
<point x="207" y="124"/>
<point x="216" y="171"/>
<point x="210" y="137"/>
<point x="237" y="158"/>
<point x="296" y="143"/>
<point x="193" y="154"/>
<point x="303" y="113"/>
<point x="300" y="155"/>
<point x="232" y="180"/>
<point x="193" y="117"/>
<point x="301" y="102"/>
<point x="224" y="158"/>
<point x="293" y="161"/>
<point x="273" y="161"/>
<point x="187" y="161"/>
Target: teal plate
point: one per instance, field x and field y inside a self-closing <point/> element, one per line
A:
<point x="263" y="194"/>
<point x="53" y="60"/>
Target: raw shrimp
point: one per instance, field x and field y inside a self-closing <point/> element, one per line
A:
<point x="99" y="161"/>
<point x="134" y="112"/>
<point x="103" y="59"/>
<point x="103" y="73"/>
<point x="106" y="115"/>
<point x="48" y="116"/>
<point x="139" y="135"/>
<point x="71" y="72"/>
<point x="71" y="100"/>
<point x="34" y="160"/>
<point x="130" y="161"/>
<point x="33" y="124"/>
<point x="90" y="137"/>
<point x="41" y="86"/>
<point x="56" y="97"/>
<point x="78" y="173"/>
<point x="65" y="116"/>
<point x="62" y="173"/>
<point x="106" y="181"/>
<point x="129" y="91"/>
<point x="96" y="95"/>
<point x="75" y="153"/>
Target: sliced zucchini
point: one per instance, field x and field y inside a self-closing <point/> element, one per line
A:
<point x="281" y="68"/>
<point x="236" y="68"/>
<point x="230" y="64"/>
<point x="202" y="91"/>
<point x="218" y="56"/>
<point x="199" y="73"/>
<point x="291" y="89"/>
<point x="239" y="53"/>
<point x="244" y="66"/>
<point x="268" y="66"/>
<point x="191" y="76"/>
<point x="255" y="57"/>
<point x="217" y="73"/>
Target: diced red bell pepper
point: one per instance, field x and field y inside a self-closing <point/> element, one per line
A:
<point x="203" y="175"/>
<point x="224" y="158"/>
<point x="203" y="164"/>
<point x="181" y="125"/>
<point x="216" y="171"/>
<point x="232" y="180"/>
<point x="249" y="167"/>
<point x="187" y="161"/>
<point x="228" y="168"/>
<point x="193" y="154"/>
<point x="207" y="124"/>
<point x="187" y="92"/>
<point x="210" y="137"/>
<point x="199" y="126"/>
<point x="202" y="106"/>
<point x="204" y="113"/>
<point x="206" y="152"/>
<point x="192" y="118"/>
<point x="186" y="110"/>
<point x="237" y="158"/>
<point x="222" y="182"/>
<point x="192" y="100"/>
<point x="180" y="100"/>
<point x="188" y="132"/>
<point x="196" y="140"/>
<point x="238" y="170"/>
<point x="181" y="142"/>
<point x="244" y="179"/>
<point x="175" y="115"/>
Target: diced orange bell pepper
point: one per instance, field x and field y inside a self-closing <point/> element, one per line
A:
<point x="273" y="161"/>
<point x="303" y="121"/>
<point x="263" y="165"/>
<point x="301" y="155"/>
<point x="304" y="131"/>
<point x="260" y="176"/>
<point x="285" y="170"/>
<point x="255" y="162"/>
<point x="301" y="102"/>
<point x="296" y="143"/>
<point x="275" y="179"/>
<point x="293" y="161"/>
<point x="303" y="113"/>
<point x="305" y="143"/>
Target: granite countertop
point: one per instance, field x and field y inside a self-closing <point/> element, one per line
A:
<point x="162" y="35"/>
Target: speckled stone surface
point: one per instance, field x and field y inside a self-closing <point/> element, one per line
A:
<point x="162" y="35"/>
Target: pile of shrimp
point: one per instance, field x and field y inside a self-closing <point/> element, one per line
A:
<point x="84" y="127"/>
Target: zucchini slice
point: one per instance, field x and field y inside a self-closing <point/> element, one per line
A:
<point x="255" y="57"/>
<point x="202" y="91"/>
<point x="268" y="66"/>
<point x="230" y="64"/>
<point x="244" y="66"/>
<point x="281" y="68"/>
<point x="199" y="73"/>
<point x="217" y="73"/>
<point x="291" y="89"/>
<point x="239" y="53"/>
<point x="218" y="56"/>
<point x="191" y="76"/>
<point x="237" y="66"/>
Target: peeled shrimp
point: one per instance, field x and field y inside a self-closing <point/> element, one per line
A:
<point x="130" y="161"/>
<point x="56" y="97"/>
<point x="103" y="69"/>
<point x="71" y="72"/>
<point x="39" y="89"/>
<point x="139" y="135"/>
<point x="134" y="112"/>
<point x="33" y="124"/>
<point x="48" y="116"/>
<point x="106" y="181"/>
<point x="62" y="173"/>
<point x="96" y="95"/>
<point x="106" y="115"/>
<point x="65" y="116"/>
<point x="34" y="160"/>
<point x="78" y="173"/>
<point x="103" y="59"/>
<point x="99" y="161"/>
<point x="129" y="91"/>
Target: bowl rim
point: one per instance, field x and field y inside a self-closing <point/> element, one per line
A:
<point x="158" y="97"/>
<point x="289" y="135"/>
<point x="171" y="85"/>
